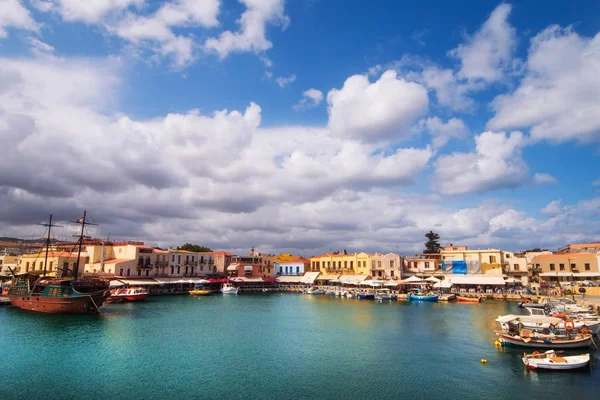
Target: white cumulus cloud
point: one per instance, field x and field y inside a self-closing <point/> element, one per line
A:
<point x="310" y="98"/>
<point x="441" y="131"/>
<point x="495" y="164"/>
<point x="14" y="15"/>
<point x="558" y="97"/>
<point x="252" y="34"/>
<point x="489" y="51"/>
<point x="544" y="179"/>
<point x="369" y="112"/>
<point x="283" y="81"/>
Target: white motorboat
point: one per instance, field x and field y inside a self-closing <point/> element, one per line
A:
<point x="559" y="323"/>
<point x="550" y="360"/>
<point x="383" y="294"/>
<point x="228" y="288"/>
<point x="526" y="338"/>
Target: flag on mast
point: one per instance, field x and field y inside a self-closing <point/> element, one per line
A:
<point x="80" y="220"/>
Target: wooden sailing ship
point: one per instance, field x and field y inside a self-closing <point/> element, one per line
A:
<point x="67" y="294"/>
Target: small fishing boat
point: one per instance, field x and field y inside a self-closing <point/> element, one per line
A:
<point x="542" y="341"/>
<point x="384" y="294"/>
<point x="330" y="293"/>
<point x="447" y="297"/>
<point x="367" y="295"/>
<point x="315" y="291"/>
<point x="199" y="290"/>
<point x="462" y="299"/>
<point x="550" y="360"/>
<point x="422" y="297"/>
<point x="228" y="288"/>
<point x="127" y="294"/>
<point x="350" y="295"/>
<point x="4" y="301"/>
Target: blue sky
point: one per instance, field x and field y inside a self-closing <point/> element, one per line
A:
<point x="476" y="119"/>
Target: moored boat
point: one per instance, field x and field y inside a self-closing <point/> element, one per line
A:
<point x="384" y="294"/>
<point x="447" y="297"/>
<point x="66" y="295"/>
<point x="228" y="288"/>
<point x="366" y="295"/>
<point x="462" y="299"/>
<point x="422" y="297"/>
<point x="541" y="341"/>
<point x="199" y="290"/>
<point x="552" y="361"/>
<point x="127" y="294"/>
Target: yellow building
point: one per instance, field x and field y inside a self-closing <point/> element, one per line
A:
<point x="285" y="257"/>
<point x="490" y="261"/>
<point x="7" y="262"/>
<point x="58" y="261"/>
<point x="568" y="266"/>
<point x="342" y="264"/>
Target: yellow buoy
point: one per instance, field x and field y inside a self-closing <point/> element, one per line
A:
<point x="497" y="343"/>
<point x="483" y="361"/>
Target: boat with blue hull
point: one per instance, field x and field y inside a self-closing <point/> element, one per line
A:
<point x="422" y="297"/>
<point x="366" y="296"/>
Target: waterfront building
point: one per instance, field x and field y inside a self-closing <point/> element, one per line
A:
<point x="292" y="267"/>
<point x="123" y="258"/>
<point x="182" y="263"/>
<point x="423" y="265"/>
<point x="214" y="263"/>
<point x="386" y="266"/>
<point x="7" y="261"/>
<point x="59" y="262"/>
<point x="337" y="263"/>
<point x="250" y="266"/>
<point x="590" y="247"/>
<point x="568" y="267"/>
<point x="459" y="259"/>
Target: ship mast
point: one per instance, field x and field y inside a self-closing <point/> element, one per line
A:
<point x="49" y="226"/>
<point x="83" y="223"/>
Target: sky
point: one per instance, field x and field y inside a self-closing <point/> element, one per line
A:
<point x="302" y="126"/>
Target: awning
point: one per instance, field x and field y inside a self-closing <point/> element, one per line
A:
<point x="557" y="274"/>
<point x="433" y="279"/>
<point x="392" y="284"/>
<point x="586" y="274"/>
<point x="248" y="280"/>
<point x="290" y="279"/>
<point x="310" y="277"/>
<point x="442" y="285"/>
<point x="232" y="268"/>
<point x="248" y="268"/>
<point x="140" y="282"/>
<point x="372" y="283"/>
<point x="413" y="279"/>
<point x="327" y="277"/>
<point x="352" y="279"/>
<point x="475" y="280"/>
<point x="116" y="283"/>
<point x="573" y="274"/>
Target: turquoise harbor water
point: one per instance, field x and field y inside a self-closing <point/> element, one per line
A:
<point x="283" y="346"/>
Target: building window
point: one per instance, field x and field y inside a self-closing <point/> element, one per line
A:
<point x="552" y="267"/>
<point x="378" y="264"/>
<point x="147" y="272"/>
<point x="201" y="268"/>
<point x="51" y="265"/>
<point x="328" y="264"/>
<point x="298" y="270"/>
<point x="121" y="272"/>
<point x="201" y="259"/>
<point x="345" y="264"/>
<point x="192" y="270"/>
<point x="587" y="267"/>
<point x="66" y="267"/>
<point x="392" y="264"/>
<point x="193" y="258"/>
<point x="426" y="264"/>
<point x="573" y="266"/>
<point x="173" y="258"/>
<point x="172" y="270"/>
<point x="178" y="269"/>
<point x="492" y="259"/>
<point x="128" y="272"/>
<point x="561" y="267"/>
<point x="187" y="259"/>
<point x="392" y="272"/>
<point x="186" y="269"/>
<point x="179" y="259"/>
<point x="351" y="264"/>
<point x="139" y="272"/>
<point x="516" y="266"/>
<point x="140" y="261"/>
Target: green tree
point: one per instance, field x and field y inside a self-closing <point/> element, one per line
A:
<point x="194" y="247"/>
<point x="432" y="246"/>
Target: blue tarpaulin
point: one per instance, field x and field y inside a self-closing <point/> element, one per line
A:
<point x="455" y="267"/>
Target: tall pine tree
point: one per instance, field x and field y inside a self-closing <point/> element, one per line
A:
<point x="432" y="246"/>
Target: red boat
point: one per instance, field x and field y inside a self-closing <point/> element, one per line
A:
<point x="127" y="294"/>
<point x="461" y="299"/>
